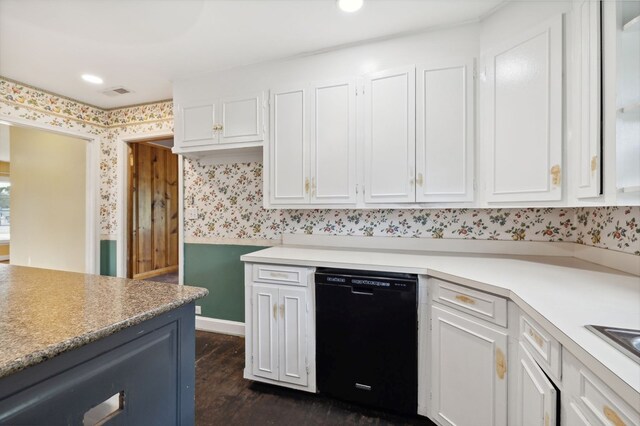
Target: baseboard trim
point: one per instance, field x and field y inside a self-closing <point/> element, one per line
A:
<point x="214" y="325"/>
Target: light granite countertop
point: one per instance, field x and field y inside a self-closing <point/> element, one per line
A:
<point x="563" y="294"/>
<point x="44" y="313"/>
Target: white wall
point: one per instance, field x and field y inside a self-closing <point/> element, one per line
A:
<point x="48" y="200"/>
<point x="4" y="142"/>
<point x="462" y="41"/>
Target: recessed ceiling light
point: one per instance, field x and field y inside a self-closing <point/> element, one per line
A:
<point x="93" y="79"/>
<point x="350" y="5"/>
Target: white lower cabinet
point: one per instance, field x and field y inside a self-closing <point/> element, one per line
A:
<point x="468" y="370"/>
<point x="536" y="397"/>
<point x="280" y="338"/>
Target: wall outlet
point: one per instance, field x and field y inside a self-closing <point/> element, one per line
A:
<point x="198" y="310"/>
<point x="191" y="213"/>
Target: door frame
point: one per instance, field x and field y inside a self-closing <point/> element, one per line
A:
<point x="92" y="185"/>
<point x="123" y="191"/>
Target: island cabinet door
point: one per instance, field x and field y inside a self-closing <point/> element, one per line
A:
<point x="536" y="396"/>
<point x="265" y="331"/>
<point x="292" y="334"/>
<point x="469" y="370"/>
<point x="390" y="136"/>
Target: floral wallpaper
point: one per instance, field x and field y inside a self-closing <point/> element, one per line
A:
<point x="229" y="197"/>
<point x="229" y="202"/>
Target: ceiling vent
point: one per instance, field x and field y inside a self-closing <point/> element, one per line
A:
<point x="116" y="91"/>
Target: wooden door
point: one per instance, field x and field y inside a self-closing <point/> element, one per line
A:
<point x="445" y="131"/>
<point x="390" y="136"/>
<point x="292" y="330"/>
<point x="264" y="311"/>
<point x="333" y="142"/>
<point x="536" y="403"/>
<point x="154" y="211"/>
<point x="523" y="116"/>
<point x="469" y="370"/>
<point x="288" y="156"/>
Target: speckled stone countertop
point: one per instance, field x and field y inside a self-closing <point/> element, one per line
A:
<point x="44" y="313"/>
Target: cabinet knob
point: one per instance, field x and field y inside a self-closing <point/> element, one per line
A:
<point x="306" y="186"/>
<point x="420" y="179"/>
<point x="275" y="312"/>
<point x="594" y="163"/>
<point x="556" y="175"/>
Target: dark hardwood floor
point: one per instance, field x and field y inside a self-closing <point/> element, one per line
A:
<point x="223" y="397"/>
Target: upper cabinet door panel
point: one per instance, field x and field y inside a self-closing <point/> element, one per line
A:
<point x="197" y="124"/>
<point x="524" y="116"/>
<point x="333" y="143"/>
<point x="445" y="129"/>
<point x="390" y="136"/>
<point x="288" y="169"/>
<point x="587" y="82"/>
<point x="242" y="119"/>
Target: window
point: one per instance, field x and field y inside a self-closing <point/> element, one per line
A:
<point x="5" y="218"/>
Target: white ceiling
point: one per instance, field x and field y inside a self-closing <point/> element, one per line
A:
<point x="143" y="45"/>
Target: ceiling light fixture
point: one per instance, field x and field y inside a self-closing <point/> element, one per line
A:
<point x="93" y="79"/>
<point x="350" y="6"/>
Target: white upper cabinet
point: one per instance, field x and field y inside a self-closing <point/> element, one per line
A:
<point x="389" y="136"/>
<point x="215" y="124"/>
<point x="288" y="171"/>
<point x="242" y="119"/>
<point x="522" y="121"/>
<point x="587" y="61"/>
<point x="197" y="125"/>
<point x="445" y="131"/>
<point x="333" y="142"/>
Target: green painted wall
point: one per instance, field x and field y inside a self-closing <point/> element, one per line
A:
<point x="108" y="258"/>
<point x="219" y="269"/>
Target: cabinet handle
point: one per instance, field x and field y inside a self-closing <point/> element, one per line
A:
<point x="420" y="179"/>
<point x="306" y="186"/>
<point x="278" y="275"/>
<point x="275" y="312"/>
<point x="537" y="337"/>
<point x="313" y="187"/>
<point x="282" y="311"/>
<point x="612" y="416"/>
<point x="501" y="364"/>
<point x="466" y="299"/>
<point x="556" y="174"/>
<point x="594" y="163"/>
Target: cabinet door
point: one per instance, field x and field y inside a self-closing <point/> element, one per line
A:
<point x="242" y="119"/>
<point x="333" y="143"/>
<point x="445" y="131"/>
<point x="389" y="133"/>
<point x="522" y="132"/>
<point x="292" y="332"/>
<point x="469" y="367"/>
<point x="588" y="82"/>
<point x="536" y="403"/>
<point x="287" y="154"/>
<point x="197" y="123"/>
<point x="265" y="332"/>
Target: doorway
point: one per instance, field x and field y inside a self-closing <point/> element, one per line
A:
<point x="153" y="211"/>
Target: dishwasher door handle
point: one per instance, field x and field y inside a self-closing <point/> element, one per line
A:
<point x="360" y="290"/>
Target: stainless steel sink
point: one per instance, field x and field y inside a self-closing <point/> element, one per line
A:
<point x="624" y="339"/>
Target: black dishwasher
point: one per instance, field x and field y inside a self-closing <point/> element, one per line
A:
<point x="367" y="337"/>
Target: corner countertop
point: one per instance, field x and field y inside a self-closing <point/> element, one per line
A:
<point x="44" y="313"/>
<point x="563" y="294"/>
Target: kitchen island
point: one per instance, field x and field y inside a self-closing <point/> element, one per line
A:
<point x="80" y="348"/>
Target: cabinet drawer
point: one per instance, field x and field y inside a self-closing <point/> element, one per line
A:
<point x="544" y="348"/>
<point x="594" y="398"/>
<point x="479" y="304"/>
<point x="279" y="274"/>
